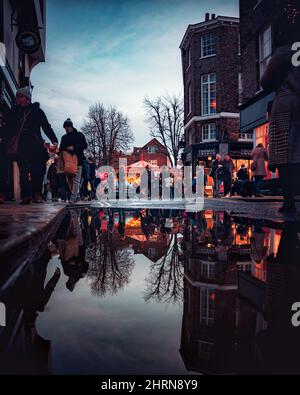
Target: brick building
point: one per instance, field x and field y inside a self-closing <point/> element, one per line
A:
<point x="212" y="91"/>
<point x="259" y="26"/>
<point x="22" y="47"/>
<point x="153" y="152"/>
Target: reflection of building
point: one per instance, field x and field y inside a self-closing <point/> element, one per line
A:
<point x="213" y="320"/>
<point x="212" y="90"/>
<point x="154" y="248"/>
<point x="17" y="17"/>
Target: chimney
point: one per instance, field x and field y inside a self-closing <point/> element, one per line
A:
<point x="207" y="17"/>
<point x="213" y="16"/>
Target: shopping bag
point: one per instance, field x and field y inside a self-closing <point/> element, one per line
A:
<point x="70" y="163"/>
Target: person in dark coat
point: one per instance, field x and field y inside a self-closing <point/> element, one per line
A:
<point x="53" y="178"/>
<point x="32" y="154"/>
<point x="4" y="163"/>
<point x="74" y="142"/>
<point x="259" y="157"/>
<point x="214" y="173"/>
<point x="228" y="174"/>
<point x="282" y="77"/>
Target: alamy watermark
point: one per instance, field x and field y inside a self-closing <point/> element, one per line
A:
<point x="2" y="55"/>
<point x="151" y="184"/>
<point x="296" y="55"/>
<point x="2" y="314"/>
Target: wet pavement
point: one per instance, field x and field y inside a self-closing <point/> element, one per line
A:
<point x="157" y="292"/>
<point x="24" y="233"/>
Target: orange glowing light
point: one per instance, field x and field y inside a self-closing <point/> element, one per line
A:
<point x="214" y="104"/>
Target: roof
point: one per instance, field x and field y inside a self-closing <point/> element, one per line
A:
<point x="204" y="25"/>
<point x="153" y="141"/>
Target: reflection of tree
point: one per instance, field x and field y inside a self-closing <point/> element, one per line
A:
<point x="165" y="281"/>
<point x="109" y="268"/>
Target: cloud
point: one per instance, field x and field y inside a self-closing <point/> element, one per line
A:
<point x="115" y="55"/>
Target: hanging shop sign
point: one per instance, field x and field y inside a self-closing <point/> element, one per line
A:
<point x="28" y="41"/>
<point x="207" y="152"/>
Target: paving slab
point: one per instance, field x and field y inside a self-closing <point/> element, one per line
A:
<point x="24" y="233"/>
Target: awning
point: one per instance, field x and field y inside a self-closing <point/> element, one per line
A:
<point x="254" y="114"/>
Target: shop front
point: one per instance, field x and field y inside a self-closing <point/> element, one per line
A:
<point x="255" y="119"/>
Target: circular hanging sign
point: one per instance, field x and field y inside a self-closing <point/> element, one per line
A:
<point x="28" y="41"/>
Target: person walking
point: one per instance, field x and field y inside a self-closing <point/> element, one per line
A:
<point x="228" y="174"/>
<point x="258" y="167"/>
<point x="215" y="173"/>
<point x="282" y="77"/>
<point x="53" y="178"/>
<point x="26" y="143"/>
<point x="75" y="143"/>
<point x="92" y="177"/>
<point x="4" y="162"/>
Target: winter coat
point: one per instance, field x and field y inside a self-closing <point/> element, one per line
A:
<point x="229" y="166"/>
<point x="77" y="140"/>
<point x="31" y="143"/>
<point x="214" y="167"/>
<point x="243" y="175"/>
<point x="284" y="135"/>
<point x="259" y="157"/>
<point x="53" y="176"/>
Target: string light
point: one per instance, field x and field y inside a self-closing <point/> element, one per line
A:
<point x="292" y="13"/>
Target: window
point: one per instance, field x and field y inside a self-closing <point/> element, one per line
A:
<point x="189" y="57"/>
<point x="240" y="89"/>
<point x="209" y="94"/>
<point x="246" y="136"/>
<point x="208" y="45"/>
<point x="239" y="44"/>
<point x="265" y="49"/>
<point x="208" y="270"/>
<point x="189" y="98"/>
<point x="151" y="150"/>
<point x="209" y="132"/>
<point x="207" y="306"/>
<point x="191" y="135"/>
<point x="205" y="351"/>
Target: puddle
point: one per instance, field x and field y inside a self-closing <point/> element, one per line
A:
<point x="157" y="292"/>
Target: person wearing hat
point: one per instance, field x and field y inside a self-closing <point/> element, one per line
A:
<point x="74" y="142"/>
<point x="25" y="122"/>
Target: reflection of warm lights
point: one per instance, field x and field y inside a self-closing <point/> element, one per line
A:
<point x="133" y="223"/>
<point x="208" y="214"/>
<point x="209" y="245"/>
<point x="209" y="158"/>
<point x="214" y="104"/>
<point x="212" y="296"/>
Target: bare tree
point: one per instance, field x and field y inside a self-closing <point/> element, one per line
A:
<point x="106" y="130"/>
<point x="110" y="268"/>
<point x="165" y="282"/>
<point x="165" y="118"/>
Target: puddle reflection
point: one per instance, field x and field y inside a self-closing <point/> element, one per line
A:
<point x="157" y="292"/>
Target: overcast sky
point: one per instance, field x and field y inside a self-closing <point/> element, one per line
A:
<point x="116" y="52"/>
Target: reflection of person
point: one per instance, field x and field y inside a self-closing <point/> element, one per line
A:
<point x="37" y="297"/>
<point x="71" y="249"/>
<point x="278" y="346"/>
<point x="258" y="249"/>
